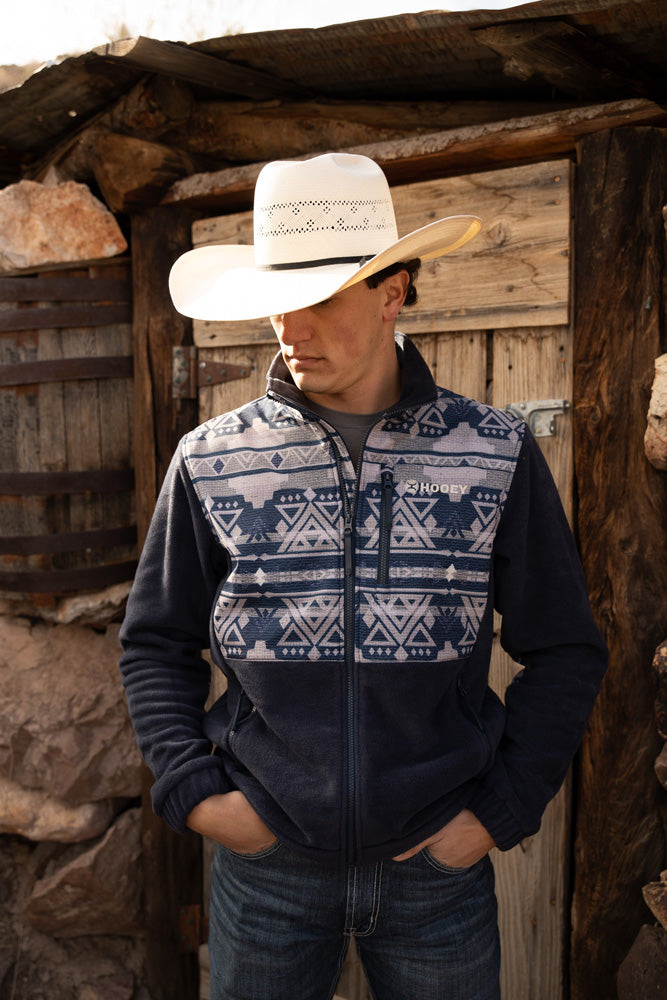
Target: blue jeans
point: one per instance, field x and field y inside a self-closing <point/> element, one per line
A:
<point x="280" y="924"/>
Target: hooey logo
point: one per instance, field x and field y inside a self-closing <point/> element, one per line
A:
<point x="415" y="488"/>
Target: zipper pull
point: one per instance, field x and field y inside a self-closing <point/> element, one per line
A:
<point x="348" y="547"/>
<point x="386" y="515"/>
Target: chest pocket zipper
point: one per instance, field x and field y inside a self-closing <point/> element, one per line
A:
<point x="386" y="513"/>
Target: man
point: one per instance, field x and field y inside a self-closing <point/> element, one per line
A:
<point x="342" y="542"/>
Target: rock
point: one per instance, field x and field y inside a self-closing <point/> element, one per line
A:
<point x="64" y="725"/>
<point x="655" y="897"/>
<point x="660" y="674"/>
<point x="643" y="973"/>
<point x="38" y="816"/>
<point x="655" y="438"/>
<point x="47" y="972"/>
<point x="661" y="766"/>
<point x="42" y="224"/>
<point x="95" y="608"/>
<point x="98" y="892"/>
<point x="35" y="966"/>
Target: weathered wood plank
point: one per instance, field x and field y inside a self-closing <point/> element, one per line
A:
<point x="533" y="878"/>
<point x="514" y="273"/>
<point x="185" y="63"/>
<point x="158" y="237"/>
<point x="64" y="316"/>
<point x="65" y="289"/>
<point x="458" y="360"/>
<point x="440" y="154"/>
<point x="622" y="525"/>
<point x="569" y="58"/>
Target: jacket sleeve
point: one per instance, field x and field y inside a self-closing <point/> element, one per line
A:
<point x="548" y="628"/>
<point x="166" y="627"/>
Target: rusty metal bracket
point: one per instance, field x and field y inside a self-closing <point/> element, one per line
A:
<point x="189" y="374"/>
<point x="540" y="414"/>
<point x="192" y="928"/>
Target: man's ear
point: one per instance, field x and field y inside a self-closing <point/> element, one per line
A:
<point x="395" y="289"/>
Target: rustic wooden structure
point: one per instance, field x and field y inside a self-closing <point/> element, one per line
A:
<point x="66" y="480"/>
<point x="531" y="117"/>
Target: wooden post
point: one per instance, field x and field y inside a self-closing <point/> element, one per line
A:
<point x="622" y="526"/>
<point x="172" y="863"/>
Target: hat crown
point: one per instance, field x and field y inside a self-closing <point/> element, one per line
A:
<point x="332" y="207"/>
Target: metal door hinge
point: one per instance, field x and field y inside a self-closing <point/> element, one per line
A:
<point x="192" y="928"/>
<point x="540" y="414"/>
<point x="189" y="373"/>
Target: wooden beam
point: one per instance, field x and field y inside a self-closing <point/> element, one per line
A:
<point x="565" y="56"/>
<point x="620" y="325"/>
<point x="441" y="154"/>
<point x="159" y="236"/>
<point x="185" y="63"/>
<point x="172" y="863"/>
<point x="247" y="131"/>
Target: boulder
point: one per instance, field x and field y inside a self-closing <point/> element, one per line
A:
<point x="660" y="674"/>
<point x="661" y="767"/>
<point x="99" y="891"/>
<point x="38" y="816"/>
<point x="655" y="438"/>
<point x="41" y="224"/>
<point x="655" y="897"/>
<point x="64" y="724"/>
<point x="643" y="972"/>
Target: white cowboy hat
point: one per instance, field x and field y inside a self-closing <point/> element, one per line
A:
<point x="320" y="225"/>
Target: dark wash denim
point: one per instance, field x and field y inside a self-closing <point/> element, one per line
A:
<point x="280" y="925"/>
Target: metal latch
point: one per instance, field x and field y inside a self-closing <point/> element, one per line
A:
<point x="540" y="414"/>
<point x="190" y="374"/>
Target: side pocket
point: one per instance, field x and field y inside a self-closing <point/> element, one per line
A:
<point x="471" y="712"/>
<point x="386" y="514"/>
<point x="244" y="710"/>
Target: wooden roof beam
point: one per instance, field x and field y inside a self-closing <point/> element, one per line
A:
<point x="565" y="57"/>
<point x="184" y="63"/>
<point x="439" y="154"/>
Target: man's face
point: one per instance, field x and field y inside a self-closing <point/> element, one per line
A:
<point x="341" y="352"/>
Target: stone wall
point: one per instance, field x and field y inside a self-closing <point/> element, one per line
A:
<point x="70" y="774"/>
<point x="70" y="816"/>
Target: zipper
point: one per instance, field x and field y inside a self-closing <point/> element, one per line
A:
<point x="349" y="595"/>
<point x="384" y="544"/>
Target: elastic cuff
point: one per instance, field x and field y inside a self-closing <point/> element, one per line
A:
<point x="493" y="814"/>
<point x="175" y="807"/>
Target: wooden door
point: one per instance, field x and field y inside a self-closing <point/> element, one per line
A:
<point x="492" y="321"/>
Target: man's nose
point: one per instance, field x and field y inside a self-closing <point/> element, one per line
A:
<point x="293" y="327"/>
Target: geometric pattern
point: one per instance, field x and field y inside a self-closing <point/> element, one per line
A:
<point x="274" y="492"/>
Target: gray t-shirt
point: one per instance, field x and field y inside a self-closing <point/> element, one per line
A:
<point x="352" y="427"/>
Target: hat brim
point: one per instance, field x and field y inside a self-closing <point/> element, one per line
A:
<point x="222" y="283"/>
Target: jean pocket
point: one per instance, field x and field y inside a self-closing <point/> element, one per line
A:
<point x="266" y="852"/>
<point x="442" y="867"/>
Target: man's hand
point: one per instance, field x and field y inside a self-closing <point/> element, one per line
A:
<point x="461" y="843"/>
<point x="231" y="820"/>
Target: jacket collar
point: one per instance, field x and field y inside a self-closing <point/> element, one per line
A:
<point x="417" y="384"/>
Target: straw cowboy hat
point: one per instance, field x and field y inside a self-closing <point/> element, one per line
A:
<point x="320" y="225"/>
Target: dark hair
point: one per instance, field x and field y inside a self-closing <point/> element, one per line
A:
<point x="411" y="266"/>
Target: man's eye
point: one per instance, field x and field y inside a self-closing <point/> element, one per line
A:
<point x="324" y="302"/>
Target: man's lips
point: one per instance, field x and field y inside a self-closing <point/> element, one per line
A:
<point x="296" y="361"/>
